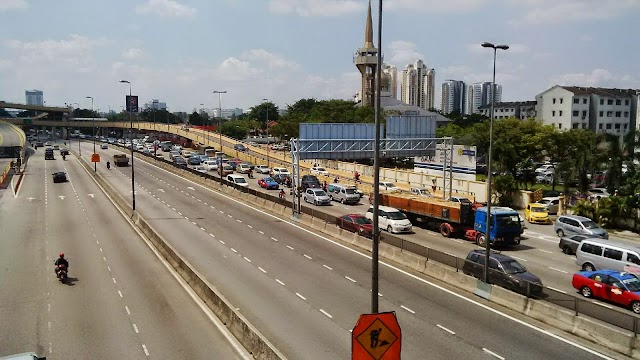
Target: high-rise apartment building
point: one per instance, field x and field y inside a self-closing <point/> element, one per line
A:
<point x="389" y="80"/>
<point x="156" y="104"/>
<point x="34" y="97"/>
<point x="418" y="85"/>
<point x="480" y="94"/>
<point x="453" y="97"/>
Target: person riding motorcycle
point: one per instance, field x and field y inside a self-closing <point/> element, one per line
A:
<point x="281" y="195"/>
<point x="108" y="165"/>
<point x="64" y="157"/>
<point x="61" y="261"/>
<point x="356" y="176"/>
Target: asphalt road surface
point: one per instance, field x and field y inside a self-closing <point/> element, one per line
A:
<point x="305" y="291"/>
<point x="120" y="301"/>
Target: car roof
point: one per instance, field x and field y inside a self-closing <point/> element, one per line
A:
<point x="354" y="215"/>
<point x="621" y="275"/>
<point x="538" y="205"/>
<point x="495" y="255"/>
<point x="551" y="198"/>
<point x="574" y="217"/>
<point x="613" y="244"/>
<point x="386" y="208"/>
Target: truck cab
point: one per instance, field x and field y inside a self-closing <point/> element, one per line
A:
<point x="505" y="226"/>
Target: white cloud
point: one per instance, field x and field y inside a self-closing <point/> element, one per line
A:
<point x="434" y="5"/>
<point x="133" y="53"/>
<point x="74" y="51"/>
<point x="166" y="8"/>
<point x="8" y="5"/>
<point x="403" y="53"/>
<point x="553" y="11"/>
<point x="316" y="8"/>
<point x="596" y="78"/>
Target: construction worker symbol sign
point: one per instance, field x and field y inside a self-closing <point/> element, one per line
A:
<point x="376" y="336"/>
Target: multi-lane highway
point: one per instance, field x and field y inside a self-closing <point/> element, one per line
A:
<point x="304" y="291"/>
<point x="120" y="301"/>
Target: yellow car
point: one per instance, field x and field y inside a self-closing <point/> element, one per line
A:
<point x="537" y="214"/>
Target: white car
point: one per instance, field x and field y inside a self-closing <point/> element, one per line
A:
<point x="389" y="186"/>
<point x="262" y="169"/>
<point x="281" y="171"/>
<point x="317" y="170"/>
<point x="391" y="219"/>
<point x="210" y="165"/>
<point x="200" y="168"/>
<point x="597" y="193"/>
<point x="238" y="180"/>
<point x="544" y="168"/>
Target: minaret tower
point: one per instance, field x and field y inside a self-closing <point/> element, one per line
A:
<point x="366" y="60"/>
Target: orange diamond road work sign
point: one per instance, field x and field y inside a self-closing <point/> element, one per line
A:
<point x="376" y="337"/>
<point x="95" y="157"/>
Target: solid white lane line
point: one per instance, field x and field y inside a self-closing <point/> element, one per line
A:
<point x="289" y="247"/>
<point x="279" y="282"/>
<point x="144" y="347"/>
<point x="521" y="259"/>
<point x="274" y="239"/>
<point x="247" y="259"/>
<point x="135" y="328"/>
<point x="406" y="308"/>
<point x="545" y="251"/>
<point x="328" y="267"/>
<point x="603" y="305"/>
<point x="326" y="313"/>
<point x="445" y="329"/>
<point x="301" y="297"/>
<point x="558" y="290"/>
<point x="308" y="257"/>
<point x="127" y="309"/>
<point x="234" y="250"/>
<point x="261" y="232"/>
<point x="558" y="270"/>
<point x="120" y="293"/>
<point x="263" y="270"/>
<point x="350" y="279"/>
<point x="492" y="353"/>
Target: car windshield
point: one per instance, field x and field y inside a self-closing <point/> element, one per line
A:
<point x="351" y="191"/>
<point x="538" y="209"/>
<point x="321" y="169"/>
<point x="396" y="215"/>
<point x="508" y="220"/>
<point x="362" y="220"/>
<point x="513" y="267"/>
<point x="241" y="181"/>
<point x="632" y="284"/>
<point x="269" y="179"/>
<point x="590" y="225"/>
<point x="320" y="193"/>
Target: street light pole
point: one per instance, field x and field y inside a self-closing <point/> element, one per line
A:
<point x="205" y="123"/>
<point x="93" y="125"/>
<point x="267" y="123"/>
<point x="133" y="173"/>
<point x="220" y="130"/>
<point x="79" y="150"/>
<point x="487" y="238"/>
<point x="375" y="246"/>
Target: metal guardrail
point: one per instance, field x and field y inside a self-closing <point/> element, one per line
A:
<point x="580" y="306"/>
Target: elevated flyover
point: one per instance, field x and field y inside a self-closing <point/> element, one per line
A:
<point x="12" y="141"/>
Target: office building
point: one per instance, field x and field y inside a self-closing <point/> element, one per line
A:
<point x="418" y="85"/>
<point x="453" y="97"/>
<point x="227" y="113"/>
<point x="155" y="104"/>
<point x="479" y="94"/>
<point x="503" y="110"/>
<point x="34" y="97"/>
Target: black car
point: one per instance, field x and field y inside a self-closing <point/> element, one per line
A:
<point x="59" y="176"/>
<point x="504" y="271"/>
<point x="310" y="181"/>
<point x="179" y="161"/>
<point x="239" y="147"/>
<point x="569" y="243"/>
<point x="48" y="154"/>
<point x="195" y="160"/>
<point x="282" y="179"/>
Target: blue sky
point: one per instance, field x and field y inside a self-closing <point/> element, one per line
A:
<point x="179" y="51"/>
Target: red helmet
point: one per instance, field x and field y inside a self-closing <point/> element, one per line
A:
<point x="61" y="255"/>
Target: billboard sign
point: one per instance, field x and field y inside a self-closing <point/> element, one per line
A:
<point x="132" y="103"/>
<point x="464" y="162"/>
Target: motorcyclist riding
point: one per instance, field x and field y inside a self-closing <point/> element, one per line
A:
<point x="61" y="261"/>
<point x="281" y="195"/>
<point x="64" y="157"/>
<point x="108" y="165"/>
<point x="356" y="177"/>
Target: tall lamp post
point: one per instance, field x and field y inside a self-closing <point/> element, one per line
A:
<point x="79" y="150"/>
<point x="487" y="241"/>
<point x="220" y="130"/>
<point x="93" y="126"/>
<point x="267" y="123"/>
<point x="133" y="173"/>
<point x="204" y="123"/>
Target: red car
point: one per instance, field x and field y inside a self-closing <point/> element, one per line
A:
<point x="356" y="223"/>
<point x="622" y="288"/>
<point x="268" y="183"/>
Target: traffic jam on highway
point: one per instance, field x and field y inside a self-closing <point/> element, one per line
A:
<point x="603" y="266"/>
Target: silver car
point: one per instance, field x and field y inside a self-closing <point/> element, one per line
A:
<point x="316" y="197"/>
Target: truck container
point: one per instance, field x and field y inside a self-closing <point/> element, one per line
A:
<point x="455" y="219"/>
<point x="120" y="160"/>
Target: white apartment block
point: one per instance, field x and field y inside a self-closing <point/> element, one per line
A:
<point x="156" y="104"/>
<point x="389" y="80"/>
<point x="479" y="94"/>
<point x="453" y="97"/>
<point x="503" y="110"/>
<point x="418" y="85"/>
<point x="613" y="111"/>
<point x="34" y="97"/>
<point x="228" y="113"/>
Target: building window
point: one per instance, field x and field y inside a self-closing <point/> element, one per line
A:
<point x="600" y="126"/>
<point x="617" y="126"/>
<point x="576" y="101"/>
<point x="575" y="126"/>
<point x="584" y="126"/>
<point x="618" y="102"/>
<point x="560" y="126"/>
<point x="609" y="113"/>
<point x="608" y="126"/>
<point x="601" y="113"/>
<point x="618" y="113"/>
<point x="610" y="102"/>
<point x="601" y="101"/>
<point x="560" y="100"/>
<point x="584" y="101"/>
<point x="584" y="113"/>
<point x="560" y="112"/>
<point x="554" y="100"/>
<point x="553" y="113"/>
<point x="625" y="126"/>
<point x="626" y="102"/>
<point x="626" y="114"/>
<point x="576" y="112"/>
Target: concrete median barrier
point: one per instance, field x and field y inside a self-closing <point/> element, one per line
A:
<point x="318" y="224"/>
<point x="509" y="299"/>
<point x="598" y="333"/>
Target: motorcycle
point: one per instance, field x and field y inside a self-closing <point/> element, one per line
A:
<point x="61" y="272"/>
<point x="64" y="157"/>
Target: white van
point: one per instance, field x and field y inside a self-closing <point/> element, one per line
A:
<point x="346" y="194"/>
<point x="597" y="254"/>
<point x="238" y="180"/>
<point x="391" y="219"/>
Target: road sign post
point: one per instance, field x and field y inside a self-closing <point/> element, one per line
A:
<point x="95" y="158"/>
<point x="376" y="337"/>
